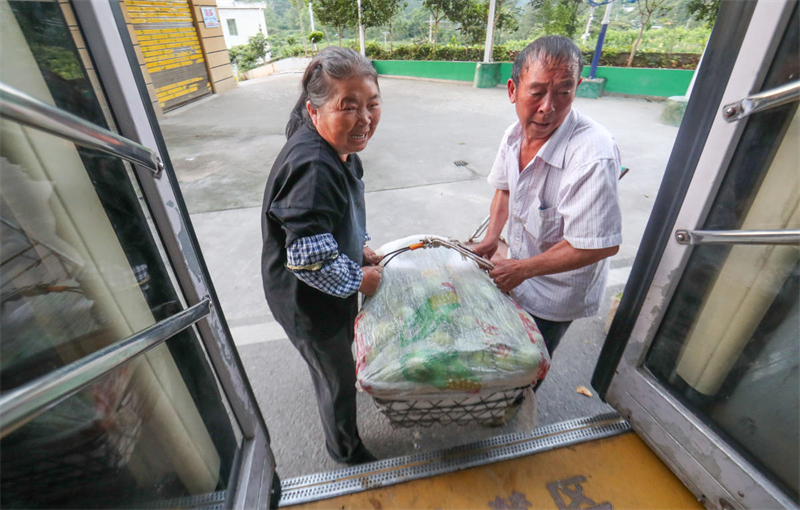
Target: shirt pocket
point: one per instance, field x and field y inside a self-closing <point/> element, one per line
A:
<point x="545" y="225"/>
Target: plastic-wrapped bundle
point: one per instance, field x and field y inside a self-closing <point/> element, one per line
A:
<point x="438" y="325"/>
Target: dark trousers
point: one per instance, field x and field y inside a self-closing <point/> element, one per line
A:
<point x="552" y="332"/>
<point x="333" y="373"/>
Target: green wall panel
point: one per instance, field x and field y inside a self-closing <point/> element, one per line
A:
<point x="622" y="80"/>
<point x="643" y="81"/>
<point x="505" y="72"/>
<point x="458" y="71"/>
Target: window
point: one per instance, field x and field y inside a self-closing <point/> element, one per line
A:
<point x="81" y="270"/>
<point x="232" y="27"/>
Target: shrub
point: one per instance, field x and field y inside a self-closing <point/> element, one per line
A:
<point x="250" y="55"/>
<point x="315" y="36"/>
<point x="291" y="50"/>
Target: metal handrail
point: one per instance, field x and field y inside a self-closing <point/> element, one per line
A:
<point x="695" y="237"/>
<point x="20" y="405"/>
<point x="762" y="101"/>
<point x="20" y="107"/>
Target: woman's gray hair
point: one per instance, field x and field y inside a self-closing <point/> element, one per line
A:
<point x="553" y="49"/>
<point x="332" y="64"/>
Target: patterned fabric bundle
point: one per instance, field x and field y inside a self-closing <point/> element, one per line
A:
<point x="439" y="325"/>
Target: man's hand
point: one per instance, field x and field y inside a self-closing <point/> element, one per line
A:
<point x="508" y="274"/>
<point x="370" y="257"/>
<point x="486" y="248"/>
<point x="370" y="280"/>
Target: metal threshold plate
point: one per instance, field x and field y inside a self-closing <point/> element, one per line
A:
<point x="305" y="489"/>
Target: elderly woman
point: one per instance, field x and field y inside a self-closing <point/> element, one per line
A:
<point x="314" y="259"/>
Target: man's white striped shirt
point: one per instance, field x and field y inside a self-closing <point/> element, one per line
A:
<point x="568" y="191"/>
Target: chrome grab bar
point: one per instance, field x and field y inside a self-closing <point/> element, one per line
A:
<point x="762" y="101"/>
<point x="20" y="107"/>
<point x="695" y="237"/>
<point x="22" y="404"/>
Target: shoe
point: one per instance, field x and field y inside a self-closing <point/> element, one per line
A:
<point x="361" y="456"/>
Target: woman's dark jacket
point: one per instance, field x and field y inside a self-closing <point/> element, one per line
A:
<point x="310" y="191"/>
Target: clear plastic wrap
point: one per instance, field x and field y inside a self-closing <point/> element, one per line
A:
<point x="438" y="325"/>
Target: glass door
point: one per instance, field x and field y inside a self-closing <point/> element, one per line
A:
<point x="703" y="357"/>
<point x="119" y="384"/>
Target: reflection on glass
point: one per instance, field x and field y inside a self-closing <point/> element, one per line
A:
<point x="728" y="344"/>
<point x="80" y="271"/>
<point x="105" y="447"/>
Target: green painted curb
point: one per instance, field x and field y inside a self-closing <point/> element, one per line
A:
<point x="456" y="71"/>
<point x="591" y="88"/>
<point x="487" y="75"/>
<point x="642" y="81"/>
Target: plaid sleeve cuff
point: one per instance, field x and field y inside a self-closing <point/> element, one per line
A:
<point x="367" y="238"/>
<point x="316" y="261"/>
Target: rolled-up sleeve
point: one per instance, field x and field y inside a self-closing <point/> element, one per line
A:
<point x="316" y="261"/>
<point x="497" y="177"/>
<point x="589" y="203"/>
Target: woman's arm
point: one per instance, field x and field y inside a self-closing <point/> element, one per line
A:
<point x="316" y="261"/>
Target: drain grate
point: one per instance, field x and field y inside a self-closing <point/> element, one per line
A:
<point x="412" y="467"/>
<point x="460" y="162"/>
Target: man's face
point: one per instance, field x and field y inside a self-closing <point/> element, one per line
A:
<point x="544" y="96"/>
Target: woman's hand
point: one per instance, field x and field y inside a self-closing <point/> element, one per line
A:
<point x="370" y="280"/>
<point x="370" y="257"/>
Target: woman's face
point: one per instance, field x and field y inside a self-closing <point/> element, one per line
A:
<point x="348" y="119"/>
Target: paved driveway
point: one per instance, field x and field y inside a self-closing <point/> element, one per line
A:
<point x="222" y="150"/>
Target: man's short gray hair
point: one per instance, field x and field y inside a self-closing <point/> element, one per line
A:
<point x="554" y="49"/>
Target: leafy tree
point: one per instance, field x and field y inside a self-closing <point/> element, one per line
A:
<point x="315" y="37"/>
<point x="436" y="8"/>
<point x="391" y="9"/>
<point x="704" y="10"/>
<point x="301" y="6"/>
<point x="646" y="10"/>
<point x="336" y="13"/>
<point x="376" y="13"/>
<point x="558" y="16"/>
<point x="472" y="15"/>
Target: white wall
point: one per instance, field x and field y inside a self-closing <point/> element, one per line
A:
<point x="249" y="19"/>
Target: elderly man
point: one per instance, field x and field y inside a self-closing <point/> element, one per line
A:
<point x="556" y="179"/>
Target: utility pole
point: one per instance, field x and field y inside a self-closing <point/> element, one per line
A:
<point x="311" y="15"/>
<point x="489" y="46"/>
<point x="361" y="31"/>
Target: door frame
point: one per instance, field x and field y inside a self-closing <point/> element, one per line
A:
<point x="109" y="43"/>
<point x="722" y="478"/>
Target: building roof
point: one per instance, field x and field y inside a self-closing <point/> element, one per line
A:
<point x="223" y="4"/>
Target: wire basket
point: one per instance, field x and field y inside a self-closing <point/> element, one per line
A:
<point x="493" y="409"/>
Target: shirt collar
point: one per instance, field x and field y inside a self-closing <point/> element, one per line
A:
<point x="554" y="150"/>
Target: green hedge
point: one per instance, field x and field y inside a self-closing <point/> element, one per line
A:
<point x="503" y="53"/>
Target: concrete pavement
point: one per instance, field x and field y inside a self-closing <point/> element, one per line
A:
<point x="222" y="150"/>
